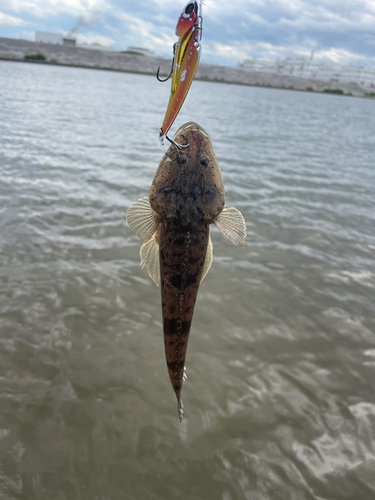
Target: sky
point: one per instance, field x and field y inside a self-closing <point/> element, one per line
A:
<point x="337" y="31"/>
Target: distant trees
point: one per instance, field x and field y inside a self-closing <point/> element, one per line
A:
<point x="35" y="57"/>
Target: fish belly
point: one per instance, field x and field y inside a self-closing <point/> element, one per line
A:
<point x="182" y="256"/>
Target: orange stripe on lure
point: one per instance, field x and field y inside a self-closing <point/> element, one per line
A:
<point x="186" y="54"/>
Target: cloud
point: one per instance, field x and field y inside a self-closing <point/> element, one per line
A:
<point x="233" y="29"/>
<point x="136" y="31"/>
<point x="10" y="20"/>
<point x="48" y="8"/>
<point x="342" y="56"/>
<point x="289" y="27"/>
<point x="261" y="50"/>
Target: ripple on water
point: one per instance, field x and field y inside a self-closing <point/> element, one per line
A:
<point x="279" y="399"/>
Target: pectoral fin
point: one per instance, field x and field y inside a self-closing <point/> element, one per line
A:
<point x="232" y="224"/>
<point x="142" y="220"/>
<point x="208" y="259"/>
<point x="150" y="256"/>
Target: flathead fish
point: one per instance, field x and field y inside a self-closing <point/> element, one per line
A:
<point x="173" y="223"/>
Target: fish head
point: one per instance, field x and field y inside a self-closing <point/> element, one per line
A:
<point x="189" y="184"/>
<point x="187" y="19"/>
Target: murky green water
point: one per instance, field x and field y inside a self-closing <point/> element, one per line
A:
<point x="280" y="400"/>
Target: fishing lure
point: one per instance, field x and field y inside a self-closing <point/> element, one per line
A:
<point x="186" y="55"/>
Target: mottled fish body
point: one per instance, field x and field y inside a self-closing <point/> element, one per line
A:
<point x="186" y="196"/>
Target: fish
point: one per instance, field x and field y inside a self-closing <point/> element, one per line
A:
<point x="173" y="223"/>
<point x="187" y="52"/>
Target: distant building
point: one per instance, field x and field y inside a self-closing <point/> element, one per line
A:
<point x="258" y="65"/>
<point x="55" y="38"/>
<point x="69" y="41"/>
<point x="314" y="70"/>
<point x="140" y="50"/>
<point x="44" y="37"/>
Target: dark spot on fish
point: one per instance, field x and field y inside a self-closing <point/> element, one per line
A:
<point x="190" y="280"/>
<point x="193" y="260"/>
<point x="172" y="310"/>
<point x="189" y="309"/>
<point x="180" y="241"/>
<point x="176" y="327"/>
<point x="205" y="160"/>
<point x="175" y="366"/>
<point x="191" y="188"/>
<point x="167" y="194"/>
<point x="176" y="281"/>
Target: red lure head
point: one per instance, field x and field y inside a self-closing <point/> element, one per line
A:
<point x="187" y="19"/>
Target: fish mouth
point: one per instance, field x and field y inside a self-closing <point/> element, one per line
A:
<point x="190" y="127"/>
<point x="191" y="132"/>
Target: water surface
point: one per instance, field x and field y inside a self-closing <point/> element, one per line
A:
<point x="279" y="401"/>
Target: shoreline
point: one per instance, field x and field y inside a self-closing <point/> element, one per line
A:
<point x="13" y="50"/>
<point x="197" y="78"/>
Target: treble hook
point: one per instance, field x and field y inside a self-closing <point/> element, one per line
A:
<point x="177" y="147"/>
<point x="170" y="74"/>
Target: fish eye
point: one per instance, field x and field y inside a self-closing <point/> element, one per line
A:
<point x="205" y="160"/>
<point x="189" y="8"/>
<point x="181" y="158"/>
